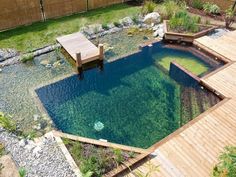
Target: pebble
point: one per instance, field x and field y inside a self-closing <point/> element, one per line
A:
<point x="36" y="117"/>
<point x="43" y="159"/>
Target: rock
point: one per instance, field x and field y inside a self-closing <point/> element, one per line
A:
<point x="41" y="159"/>
<point x="30" y="146"/>
<point x="48" y="65"/>
<point x="218" y="33"/>
<point x="115" y="30"/>
<point x="92" y="29"/>
<point x="111" y="25"/>
<point x="22" y="143"/>
<point x="56" y="64"/>
<point x="37" y="151"/>
<point x="156" y="33"/>
<point x="7" y="53"/>
<point x="45" y="62"/>
<point x="0" y="70"/>
<point x="36" y="117"/>
<point x="161" y="34"/>
<point x="153" y="17"/>
<point x="127" y="21"/>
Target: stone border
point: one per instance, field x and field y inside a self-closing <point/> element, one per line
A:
<point x="67" y="155"/>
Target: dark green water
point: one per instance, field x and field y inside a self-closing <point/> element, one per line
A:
<point x="134" y="102"/>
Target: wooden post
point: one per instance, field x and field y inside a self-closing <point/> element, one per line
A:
<point x="101" y="56"/>
<point x="79" y="64"/>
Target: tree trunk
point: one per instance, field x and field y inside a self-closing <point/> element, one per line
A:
<point x="233" y="7"/>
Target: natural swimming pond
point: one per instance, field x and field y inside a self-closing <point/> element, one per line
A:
<point x="133" y="101"/>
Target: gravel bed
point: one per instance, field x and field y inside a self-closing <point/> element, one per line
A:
<point x="41" y="159"/>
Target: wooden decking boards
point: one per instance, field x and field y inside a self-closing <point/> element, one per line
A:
<point x="81" y="50"/>
<point x="193" y="150"/>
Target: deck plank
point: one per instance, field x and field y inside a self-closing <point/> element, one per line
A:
<point x="77" y="42"/>
<point x="194" y="149"/>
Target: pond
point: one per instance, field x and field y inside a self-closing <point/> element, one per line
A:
<point x="132" y="99"/>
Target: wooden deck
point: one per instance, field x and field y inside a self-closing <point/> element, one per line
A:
<point x="81" y="50"/>
<point x="193" y="150"/>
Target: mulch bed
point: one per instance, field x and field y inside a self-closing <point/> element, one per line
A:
<point x="219" y="17"/>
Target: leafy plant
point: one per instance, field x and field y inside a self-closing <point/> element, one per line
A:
<point x="87" y="174"/>
<point x="2" y="150"/>
<point x="22" y="172"/>
<point x="170" y="8"/>
<point x="58" y="52"/>
<point x="117" y="24"/>
<point x="7" y="122"/>
<point x="183" y="22"/>
<point x="135" y="19"/>
<point x="211" y="8"/>
<point x="229" y="17"/>
<point x="27" y="57"/>
<point x="30" y="135"/>
<point x="1" y="167"/>
<point x="77" y="149"/>
<point x="118" y="156"/>
<point x="227" y="165"/>
<point x="198" y="4"/>
<point x="148" y="7"/>
<point x="105" y="26"/>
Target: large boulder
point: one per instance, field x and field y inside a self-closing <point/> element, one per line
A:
<point x="92" y="29"/>
<point x="152" y="18"/>
<point x="127" y="21"/>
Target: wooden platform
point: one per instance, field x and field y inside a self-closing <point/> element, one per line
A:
<point x="81" y="49"/>
<point x="193" y="150"/>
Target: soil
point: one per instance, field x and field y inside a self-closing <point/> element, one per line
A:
<point x="9" y="167"/>
<point x="103" y="153"/>
<point x="219" y="16"/>
<point x="181" y="30"/>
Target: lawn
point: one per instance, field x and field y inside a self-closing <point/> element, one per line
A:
<point x="40" y="34"/>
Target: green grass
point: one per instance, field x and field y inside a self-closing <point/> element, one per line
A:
<point x="191" y="64"/>
<point x="39" y="34"/>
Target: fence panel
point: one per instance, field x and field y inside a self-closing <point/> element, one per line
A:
<point x="93" y="4"/>
<point x="58" y="8"/>
<point x="19" y="12"/>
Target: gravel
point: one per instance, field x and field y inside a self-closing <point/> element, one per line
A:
<point x="41" y="159"/>
<point x="218" y="33"/>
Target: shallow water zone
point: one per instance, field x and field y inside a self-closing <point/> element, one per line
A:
<point x="133" y="101"/>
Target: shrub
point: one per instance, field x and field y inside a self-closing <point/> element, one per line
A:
<point x="135" y="19"/>
<point x="22" y="172"/>
<point x="170" y="8"/>
<point x="181" y="21"/>
<point x="105" y="27"/>
<point x="211" y="8"/>
<point x="27" y="57"/>
<point x="227" y="163"/>
<point x="118" y="156"/>
<point x="198" y="4"/>
<point x="148" y="7"/>
<point x="117" y="24"/>
<point x="7" y="123"/>
<point x="229" y="17"/>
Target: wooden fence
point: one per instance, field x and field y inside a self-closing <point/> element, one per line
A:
<point x="15" y="13"/>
